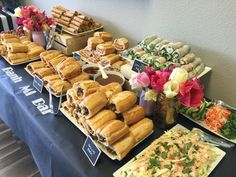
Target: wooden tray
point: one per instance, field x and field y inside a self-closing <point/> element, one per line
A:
<point x="73" y="120"/>
<point x="58" y="96"/>
<point x="28" y="61"/>
<point x="202" y="124"/>
<point x="83" y="33"/>
<point x="219" y="152"/>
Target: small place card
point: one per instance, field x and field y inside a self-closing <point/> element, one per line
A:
<point x="91" y="150"/>
<point x="139" y="66"/>
<point x="38" y="84"/>
<point x="76" y="56"/>
<point x="58" y="29"/>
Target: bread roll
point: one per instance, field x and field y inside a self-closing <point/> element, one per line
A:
<point x="103" y="35"/>
<point x="112" y="132"/>
<point x="93" y="42"/>
<point x="133" y="115"/>
<point x="105" y="49"/>
<point x="85" y="88"/>
<point x="111" y="89"/>
<point x="121" y="44"/>
<point x="92" y="104"/>
<point x="122" y="101"/>
<point x="17" y="48"/>
<point x="99" y="120"/>
<point x="35" y="65"/>
<point x="121" y="147"/>
<point x="82" y="76"/>
<point x="141" y="129"/>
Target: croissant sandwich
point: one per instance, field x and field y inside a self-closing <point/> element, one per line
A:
<point x="112" y="132"/>
<point x="133" y="115"/>
<point x="17" y="48"/>
<point x="50" y="78"/>
<point x="46" y="57"/>
<point x="121" y="44"/>
<point x="146" y="127"/>
<point x="42" y="72"/>
<point x="99" y="120"/>
<point x="54" y="62"/>
<point x="17" y="57"/>
<point x="71" y="97"/>
<point x="35" y="65"/>
<point x="85" y="88"/>
<point x="82" y="76"/>
<point x="65" y="62"/>
<point x="70" y="70"/>
<point x="105" y="49"/>
<point x="66" y="105"/>
<point x="92" y="104"/>
<point x="111" y="58"/>
<point x="93" y="42"/>
<point x="111" y="89"/>
<point x="122" y="101"/>
<point x="122" y="146"/>
<point x="103" y="35"/>
<point x="35" y="52"/>
<point x="59" y="86"/>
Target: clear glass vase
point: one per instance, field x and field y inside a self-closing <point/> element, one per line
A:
<point x="165" y="112"/>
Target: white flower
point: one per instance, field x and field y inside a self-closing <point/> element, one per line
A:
<point x="18" y="12"/>
<point x="171" y="89"/>
<point x="179" y="75"/>
<point x="150" y="95"/>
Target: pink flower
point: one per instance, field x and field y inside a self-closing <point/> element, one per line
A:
<point x="159" y="79"/>
<point x="25" y="12"/>
<point x="140" y="80"/>
<point x="28" y="23"/>
<point x="191" y="93"/>
<point x="19" y="21"/>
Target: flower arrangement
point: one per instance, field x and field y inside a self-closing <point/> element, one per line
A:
<point x="32" y="18"/>
<point x="172" y="82"/>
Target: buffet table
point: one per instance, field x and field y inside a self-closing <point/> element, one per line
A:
<point x="55" y="143"/>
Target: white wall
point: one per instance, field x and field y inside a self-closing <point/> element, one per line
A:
<point x="208" y="26"/>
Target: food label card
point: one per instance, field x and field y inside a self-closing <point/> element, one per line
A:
<point x="76" y="56"/>
<point x="91" y="150"/>
<point x="139" y="66"/>
<point x="58" y="29"/>
<point x="38" y="84"/>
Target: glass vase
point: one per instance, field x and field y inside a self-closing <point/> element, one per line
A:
<point x="166" y="112"/>
<point x="39" y="38"/>
<point x="148" y="106"/>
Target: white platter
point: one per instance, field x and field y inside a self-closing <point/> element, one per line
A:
<point x="219" y="152"/>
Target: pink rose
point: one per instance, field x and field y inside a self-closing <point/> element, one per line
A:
<point x="159" y="79"/>
<point x="19" y="21"/>
<point x="140" y="80"/>
<point x="28" y="23"/>
<point x="25" y="12"/>
<point x="191" y="93"/>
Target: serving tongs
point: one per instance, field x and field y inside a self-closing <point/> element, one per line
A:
<point x="221" y="103"/>
<point x="211" y="139"/>
<point x="51" y="107"/>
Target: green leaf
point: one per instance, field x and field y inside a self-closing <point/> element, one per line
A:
<point x="169" y="166"/>
<point x="186" y="147"/>
<point x="164" y="155"/>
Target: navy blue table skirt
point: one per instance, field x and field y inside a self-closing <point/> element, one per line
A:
<point x="56" y="144"/>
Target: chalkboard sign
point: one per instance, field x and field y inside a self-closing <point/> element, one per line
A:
<point x="58" y="29"/>
<point x="139" y="66"/>
<point x="91" y="150"/>
<point x="76" y="56"/>
<point x="38" y="83"/>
